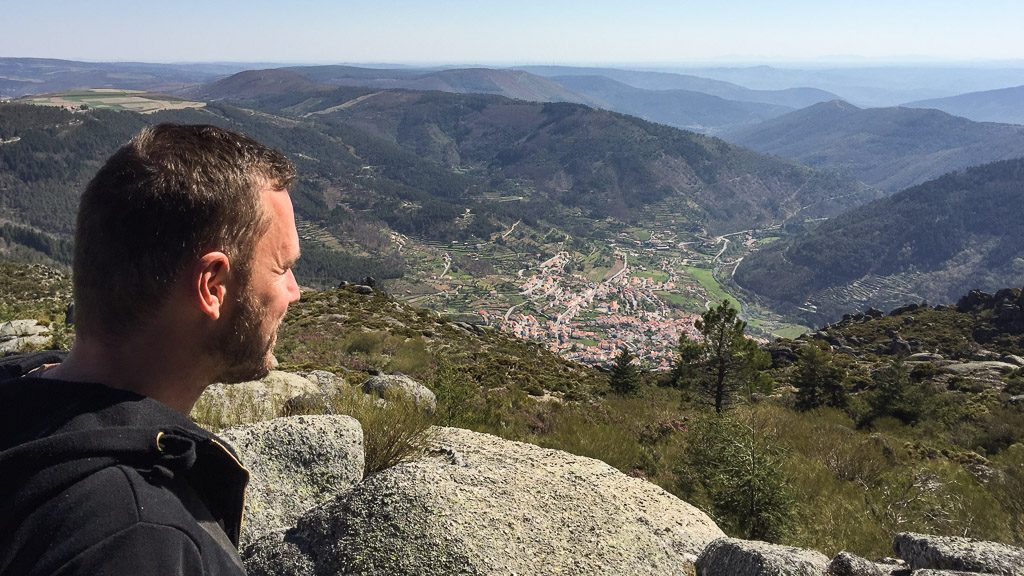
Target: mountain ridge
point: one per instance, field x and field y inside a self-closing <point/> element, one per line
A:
<point x="1002" y="105"/>
<point x="934" y="241"/>
<point x="891" y="148"/>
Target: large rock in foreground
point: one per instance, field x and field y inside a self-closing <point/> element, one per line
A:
<point x="295" y="464"/>
<point x="482" y="505"/>
<point x="734" y="557"/>
<point x="955" y="553"/>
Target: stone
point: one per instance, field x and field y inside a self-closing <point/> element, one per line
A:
<point x="21" y="328"/>
<point x="20" y="343"/>
<point x="927" y="572"/>
<point x="328" y="382"/>
<point x="295" y="464"/>
<point x="1013" y="359"/>
<point x="386" y="385"/>
<point x="254" y="400"/>
<point x="900" y="347"/>
<point x="905" y="309"/>
<point x="362" y="289"/>
<point x="981" y="367"/>
<point x="974" y="300"/>
<point x="846" y="564"/>
<point x="735" y="557"/>
<point x="921" y="551"/>
<point x="478" y="504"/>
<point x="925" y="357"/>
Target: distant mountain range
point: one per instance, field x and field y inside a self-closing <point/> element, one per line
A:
<point x="934" y="241"/>
<point x="21" y="76"/>
<point x="1003" y="105"/>
<point x="875" y="85"/>
<point x="789" y="97"/>
<point x="509" y="83"/>
<point x="702" y="105"/>
<point x="688" y="109"/>
<point x="889" y="148"/>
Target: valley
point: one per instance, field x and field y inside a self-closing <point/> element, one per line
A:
<point x="584" y="300"/>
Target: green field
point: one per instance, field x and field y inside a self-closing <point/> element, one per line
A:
<point x="655" y="275"/>
<point x="715" y="291"/>
<point x="679" y="300"/>
<point x="778" y="329"/>
<point x="640" y="234"/>
<point x="790" y="330"/>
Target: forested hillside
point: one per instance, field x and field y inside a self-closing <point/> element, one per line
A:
<point x="606" y="164"/>
<point x="420" y="163"/>
<point x="933" y="241"/>
<point x="889" y="148"/>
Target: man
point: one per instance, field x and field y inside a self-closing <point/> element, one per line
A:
<point x="184" y="250"/>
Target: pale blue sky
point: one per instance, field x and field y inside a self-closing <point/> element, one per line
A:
<point x="520" y="32"/>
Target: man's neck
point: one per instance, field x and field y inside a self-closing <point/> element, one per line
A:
<point x="144" y="364"/>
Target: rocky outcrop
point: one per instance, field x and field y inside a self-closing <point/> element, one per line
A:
<point x="16" y="335"/>
<point x="983" y="368"/>
<point x="734" y="557"/>
<point x="955" y="553"/>
<point x="846" y="564"/>
<point x="252" y="401"/>
<point x="920" y="555"/>
<point x="391" y="385"/>
<point x="944" y="573"/>
<point x="295" y="464"/>
<point x="482" y="505"/>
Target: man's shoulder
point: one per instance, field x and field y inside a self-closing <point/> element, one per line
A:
<point x="119" y="517"/>
<point x="120" y="496"/>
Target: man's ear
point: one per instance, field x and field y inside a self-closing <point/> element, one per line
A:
<point x="211" y="276"/>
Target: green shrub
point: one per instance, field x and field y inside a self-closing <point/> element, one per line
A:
<point x="411" y="358"/>
<point x="395" y="429"/>
<point x="736" y="468"/>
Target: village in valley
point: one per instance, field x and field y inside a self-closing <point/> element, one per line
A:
<point x="640" y="290"/>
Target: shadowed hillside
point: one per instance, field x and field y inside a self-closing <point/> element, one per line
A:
<point x="934" y="241"/>
<point x="890" y="148"/>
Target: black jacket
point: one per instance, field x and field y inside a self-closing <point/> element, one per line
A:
<point x="100" y="481"/>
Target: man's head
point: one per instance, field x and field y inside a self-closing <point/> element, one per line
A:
<point x="175" y="199"/>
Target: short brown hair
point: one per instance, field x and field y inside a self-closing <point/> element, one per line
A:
<point x="172" y="194"/>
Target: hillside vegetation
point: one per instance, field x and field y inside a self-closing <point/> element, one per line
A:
<point x="934" y="241"/>
<point x="418" y="164"/>
<point x="889" y="148"/>
<point x="566" y="155"/>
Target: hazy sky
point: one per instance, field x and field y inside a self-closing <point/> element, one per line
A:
<point x="518" y="32"/>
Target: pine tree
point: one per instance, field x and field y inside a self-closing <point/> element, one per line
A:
<point x="724" y="362"/>
<point x="625" y="377"/>
<point x="736" y="471"/>
<point x="819" y="382"/>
